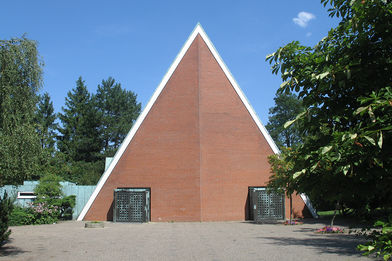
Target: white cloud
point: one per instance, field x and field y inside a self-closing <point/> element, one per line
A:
<point x="308" y="34"/>
<point x="303" y="18"/>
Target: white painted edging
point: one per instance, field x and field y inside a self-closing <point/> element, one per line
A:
<point x="238" y="90"/>
<point x="306" y="199"/>
<point x="198" y="30"/>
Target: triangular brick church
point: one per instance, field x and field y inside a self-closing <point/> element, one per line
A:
<point x="195" y="153"/>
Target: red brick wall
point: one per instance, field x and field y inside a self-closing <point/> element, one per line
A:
<point x="198" y="149"/>
<point x="233" y="150"/>
<point x="299" y="208"/>
<point x="164" y="153"/>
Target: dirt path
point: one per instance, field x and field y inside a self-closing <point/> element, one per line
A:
<point x="177" y="241"/>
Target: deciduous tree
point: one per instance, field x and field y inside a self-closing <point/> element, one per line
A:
<point x="20" y="80"/>
<point x="345" y="84"/>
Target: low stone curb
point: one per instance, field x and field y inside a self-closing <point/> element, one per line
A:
<point x="94" y="225"/>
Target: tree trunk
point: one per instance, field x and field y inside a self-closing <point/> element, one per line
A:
<point x="334" y="213"/>
<point x="291" y="208"/>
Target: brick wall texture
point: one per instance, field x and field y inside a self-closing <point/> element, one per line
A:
<point x="198" y="149"/>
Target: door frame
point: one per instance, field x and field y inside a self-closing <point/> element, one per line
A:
<point x="147" y="192"/>
<point x="253" y="206"/>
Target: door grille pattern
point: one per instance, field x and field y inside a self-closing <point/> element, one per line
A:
<point x="267" y="205"/>
<point x="130" y="206"/>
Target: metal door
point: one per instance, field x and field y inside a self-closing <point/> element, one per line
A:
<point x="131" y="205"/>
<point x="266" y="205"/>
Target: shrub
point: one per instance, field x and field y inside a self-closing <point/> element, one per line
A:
<point x="49" y="206"/>
<point x="21" y="216"/>
<point x="40" y="212"/>
<point x="49" y="187"/>
<point x="66" y="207"/>
<point x="37" y="213"/>
<point x="49" y="193"/>
<point x="380" y="240"/>
<point x="5" y="210"/>
<point x="44" y="213"/>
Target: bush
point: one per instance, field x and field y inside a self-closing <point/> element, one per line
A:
<point x="5" y="210"/>
<point x="37" y="213"/>
<point x="49" y="193"/>
<point x="40" y="212"/>
<point x="380" y="240"/>
<point x="66" y="207"/>
<point x="21" y="216"/>
<point x="44" y="213"/>
<point x="49" y="206"/>
<point x="49" y="187"/>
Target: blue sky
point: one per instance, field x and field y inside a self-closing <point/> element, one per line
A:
<point x="136" y="41"/>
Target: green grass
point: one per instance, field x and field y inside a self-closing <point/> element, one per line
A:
<point x="327" y="213"/>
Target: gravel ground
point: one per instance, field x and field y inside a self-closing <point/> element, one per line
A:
<point x="178" y="241"/>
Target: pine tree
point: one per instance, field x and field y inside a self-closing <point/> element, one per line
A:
<point x="80" y="138"/>
<point x="45" y="118"/>
<point x="287" y="107"/>
<point x="6" y="207"/>
<point x="119" y="110"/>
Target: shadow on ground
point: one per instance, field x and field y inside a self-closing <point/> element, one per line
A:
<point x="322" y="221"/>
<point x="331" y="244"/>
<point x="11" y="251"/>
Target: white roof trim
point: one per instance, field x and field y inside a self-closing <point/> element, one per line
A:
<point x="198" y="30"/>
<point x="238" y="90"/>
<point x="306" y="199"/>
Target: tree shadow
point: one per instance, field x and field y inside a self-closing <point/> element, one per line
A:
<point x="302" y="229"/>
<point x="320" y="222"/>
<point x="8" y="250"/>
<point x="339" y="221"/>
<point x="330" y="244"/>
<point x="265" y="222"/>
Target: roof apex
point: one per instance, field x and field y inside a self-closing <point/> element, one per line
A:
<point x="198" y="30"/>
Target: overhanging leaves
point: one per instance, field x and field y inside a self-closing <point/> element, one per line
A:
<point x="344" y="82"/>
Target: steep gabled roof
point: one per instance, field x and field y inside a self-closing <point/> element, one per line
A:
<point x="197" y="31"/>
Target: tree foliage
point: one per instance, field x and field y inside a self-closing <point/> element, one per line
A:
<point x="6" y="207"/>
<point x="20" y="80"/>
<point x="281" y="180"/>
<point x="50" y="196"/>
<point x="287" y="107"/>
<point x="345" y="85"/>
<point x="80" y="138"/>
<point x="45" y="118"/>
<point x="86" y="173"/>
<point x="380" y="240"/>
<point x="49" y="187"/>
<point x="119" y="110"/>
<point x="49" y="206"/>
<point x="93" y="126"/>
